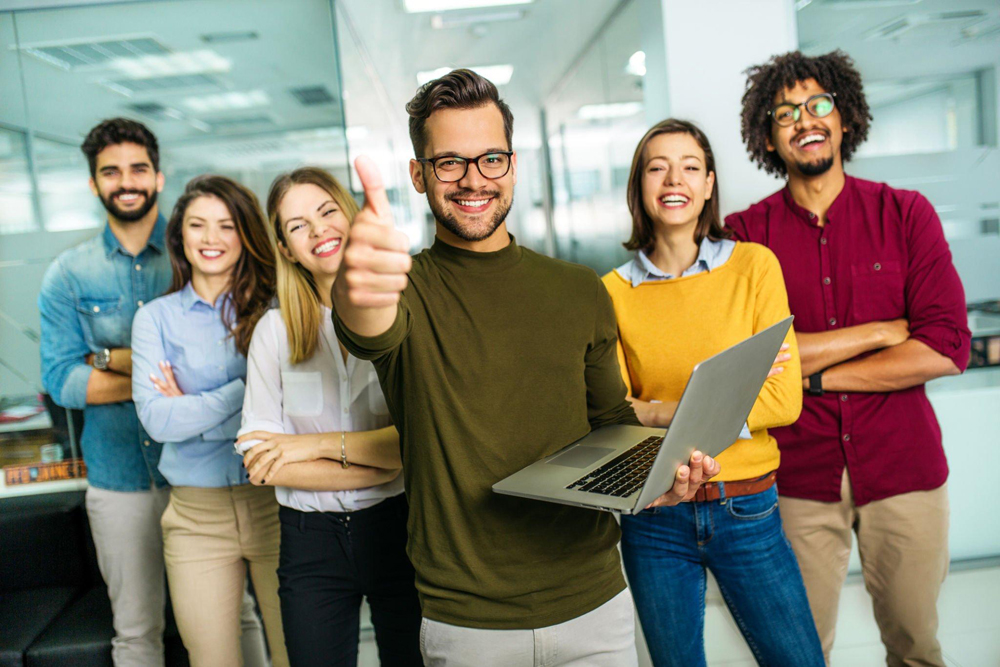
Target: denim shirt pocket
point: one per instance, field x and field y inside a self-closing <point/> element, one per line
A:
<point x="102" y="321"/>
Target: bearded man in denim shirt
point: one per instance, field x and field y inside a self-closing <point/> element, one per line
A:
<point x="88" y="297"/>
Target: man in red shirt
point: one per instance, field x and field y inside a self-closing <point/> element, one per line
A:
<point x="879" y="311"/>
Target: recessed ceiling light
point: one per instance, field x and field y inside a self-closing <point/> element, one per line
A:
<point x="498" y="74"/>
<point x="637" y="64"/>
<point x="227" y="101"/>
<point x="172" y="64"/>
<point x="613" y="110"/>
<point x="416" y="6"/>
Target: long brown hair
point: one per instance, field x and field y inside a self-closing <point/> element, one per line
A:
<point x="251" y="287"/>
<point x="297" y="293"/>
<point x="709" y="221"/>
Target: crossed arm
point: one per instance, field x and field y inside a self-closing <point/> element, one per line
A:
<point x="901" y="362"/>
<point x="313" y="461"/>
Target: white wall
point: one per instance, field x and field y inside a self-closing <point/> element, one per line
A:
<point x="695" y="71"/>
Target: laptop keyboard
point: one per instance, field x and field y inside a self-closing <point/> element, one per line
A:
<point x="623" y="475"/>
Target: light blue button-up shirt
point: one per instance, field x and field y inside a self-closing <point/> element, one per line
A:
<point x="197" y="429"/>
<point x="711" y="255"/>
<point x="88" y="298"/>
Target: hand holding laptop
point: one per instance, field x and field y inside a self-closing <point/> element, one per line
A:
<point x="688" y="479"/>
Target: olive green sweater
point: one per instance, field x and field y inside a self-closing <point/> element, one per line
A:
<point x="496" y="360"/>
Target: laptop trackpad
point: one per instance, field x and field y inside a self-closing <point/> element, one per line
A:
<point x="581" y="457"/>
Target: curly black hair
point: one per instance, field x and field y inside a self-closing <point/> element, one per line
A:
<point x="119" y="131"/>
<point x="834" y="71"/>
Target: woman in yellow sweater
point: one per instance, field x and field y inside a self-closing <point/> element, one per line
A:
<point x="689" y="293"/>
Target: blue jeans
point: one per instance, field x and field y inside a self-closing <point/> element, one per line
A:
<point x="666" y="551"/>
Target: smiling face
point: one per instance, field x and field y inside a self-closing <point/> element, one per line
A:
<point x="314" y="228"/>
<point x="475" y="207"/>
<point x="211" y="243"/>
<point x="126" y="182"/>
<point x="675" y="181"/>
<point x="810" y="146"/>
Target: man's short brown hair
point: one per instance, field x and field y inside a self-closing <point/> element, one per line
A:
<point x="458" y="89"/>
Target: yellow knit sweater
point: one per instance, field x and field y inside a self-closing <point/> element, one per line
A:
<point x="666" y="327"/>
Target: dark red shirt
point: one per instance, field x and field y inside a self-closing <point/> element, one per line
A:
<point x="880" y="256"/>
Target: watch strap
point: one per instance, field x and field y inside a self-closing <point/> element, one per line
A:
<point x="816" y="384"/>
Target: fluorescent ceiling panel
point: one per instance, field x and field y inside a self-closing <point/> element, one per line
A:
<point x="416" y="6"/>
<point x="445" y="21"/>
<point x="498" y="74"/>
<point x="613" y="110"/>
<point x="172" y="64"/>
<point x="164" y="83"/>
<point x="227" y="101"/>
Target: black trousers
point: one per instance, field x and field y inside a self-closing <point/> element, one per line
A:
<point x="329" y="561"/>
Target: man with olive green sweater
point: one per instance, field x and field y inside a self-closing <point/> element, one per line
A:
<point x="491" y="357"/>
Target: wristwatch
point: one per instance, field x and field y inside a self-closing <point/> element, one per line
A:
<point x="102" y="359"/>
<point x="816" y="384"/>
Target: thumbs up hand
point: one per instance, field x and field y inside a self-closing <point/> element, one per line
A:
<point x="377" y="257"/>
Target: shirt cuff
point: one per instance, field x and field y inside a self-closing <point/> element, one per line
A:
<point x="745" y="433"/>
<point x="243" y="447"/>
<point x="232" y="394"/>
<point x="227" y="430"/>
<point x="74" y="390"/>
<point x="948" y="341"/>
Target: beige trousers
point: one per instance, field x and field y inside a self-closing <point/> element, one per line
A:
<point x="903" y="542"/>
<point x="209" y="537"/>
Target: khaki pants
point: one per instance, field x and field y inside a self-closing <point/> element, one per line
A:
<point x="126" y="530"/>
<point x="209" y="537"/>
<point x="903" y="542"/>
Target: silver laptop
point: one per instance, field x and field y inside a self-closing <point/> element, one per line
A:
<point x="624" y="468"/>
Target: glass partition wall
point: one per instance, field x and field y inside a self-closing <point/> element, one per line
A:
<point x="229" y="92"/>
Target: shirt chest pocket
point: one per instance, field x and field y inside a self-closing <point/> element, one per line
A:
<point x="102" y="320"/>
<point x="302" y="393"/>
<point x="877" y="291"/>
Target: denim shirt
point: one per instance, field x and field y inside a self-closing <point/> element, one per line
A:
<point x="88" y="298"/>
<point x="197" y="429"/>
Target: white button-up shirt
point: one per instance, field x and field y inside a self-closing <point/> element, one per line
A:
<point x="320" y="395"/>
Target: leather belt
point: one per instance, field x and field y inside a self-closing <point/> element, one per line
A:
<point x="743" y="487"/>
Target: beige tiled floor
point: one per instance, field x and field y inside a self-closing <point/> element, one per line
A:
<point x="969" y="612"/>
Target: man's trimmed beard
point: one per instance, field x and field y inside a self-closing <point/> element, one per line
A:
<point x="814" y="168"/>
<point x="129" y="216"/>
<point x="450" y="223"/>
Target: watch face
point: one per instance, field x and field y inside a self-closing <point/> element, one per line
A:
<point x="101" y="359"/>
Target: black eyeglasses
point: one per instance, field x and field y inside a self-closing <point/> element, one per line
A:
<point x="818" y="106"/>
<point x="453" y="168"/>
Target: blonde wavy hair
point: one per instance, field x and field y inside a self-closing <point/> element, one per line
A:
<point x="298" y="297"/>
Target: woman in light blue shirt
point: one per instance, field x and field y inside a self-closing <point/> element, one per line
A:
<point x="189" y="364"/>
